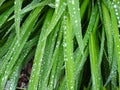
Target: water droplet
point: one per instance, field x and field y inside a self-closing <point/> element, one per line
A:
<point x="73" y="2"/>
<point x="117" y="13"/>
<point x="15" y="2"/>
<point x="119" y="22"/>
<point x="52" y="76"/>
<point x="65" y="3"/>
<point x="71" y="57"/>
<point x="118" y="17"/>
<point x="65" y="29"/>
<point x="119" y="25"/>
<point x="117" y="45"/>
<point x="76" y="21"/>
<point x="74" y="12"/>
<point x="71" y="87"/>
<point x="112" y="2"/>
<point x="66" y="59"/>
<point x="64" y="17"/>
<point x="118" y="52"/>
<point x="64" y="45"/>
<point x="115" y="6"/>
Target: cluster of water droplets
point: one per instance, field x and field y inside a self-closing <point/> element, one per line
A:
<point x="75" y="10"/>
<point x="116" y="6"/>
<point x="57" y="3"/>
<point x="64" y="43"/>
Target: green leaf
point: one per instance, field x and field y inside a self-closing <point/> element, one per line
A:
<point x="94" y="54"/>
<point x="108" y="31"/>
<point x="17" y="10"/>
<point x="74" y="10"/>
<point x="68" y="53"/>
<point x="4" y="16"/>
<point x="34" y="79"/>
<point x="26" y="29"/>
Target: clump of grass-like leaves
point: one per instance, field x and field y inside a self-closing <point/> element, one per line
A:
<point x="74" y="44"/>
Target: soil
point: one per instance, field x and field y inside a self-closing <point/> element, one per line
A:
<point x="24" y="76"/>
